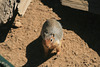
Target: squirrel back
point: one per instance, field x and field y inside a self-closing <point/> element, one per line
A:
<point x="51" y="26"/>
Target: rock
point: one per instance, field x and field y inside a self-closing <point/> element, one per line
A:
<point x="17" y="24"/>
<point x="77" y="4"/>
<point x="86" y="5"/>
<point x="6" y="10"/>
<point x="50" y="9"/>
<point x="40" y="3"/>
<point x="35" y="30"/>
<point x="22" y="6"/>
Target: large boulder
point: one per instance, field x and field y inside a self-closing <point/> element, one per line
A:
<point x="6" y="10"/>
<point x="86" y="5"/>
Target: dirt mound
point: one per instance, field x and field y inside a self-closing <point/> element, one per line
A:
<point x="22" y="46"/>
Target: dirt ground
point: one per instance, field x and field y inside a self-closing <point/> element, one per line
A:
<point x="22" y="46"/>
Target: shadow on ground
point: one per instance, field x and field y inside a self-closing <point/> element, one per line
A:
<point x="35" y="53"/>
<point x="85" y="24"/>
<point x="94" y="6"/>
<point x="4" y="29"/>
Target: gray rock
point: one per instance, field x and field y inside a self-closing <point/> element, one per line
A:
<point x="86" y="5"/>
<point x="7" y="7"/>
<point x="6" y="10"/>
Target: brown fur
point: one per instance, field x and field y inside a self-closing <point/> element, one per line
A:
<point x="55" y="45"/>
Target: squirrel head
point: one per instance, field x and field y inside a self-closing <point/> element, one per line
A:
<point x="49" y="40"/>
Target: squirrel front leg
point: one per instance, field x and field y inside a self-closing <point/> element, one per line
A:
<point x="46" y="50"/>
<point x="58" y="48"/>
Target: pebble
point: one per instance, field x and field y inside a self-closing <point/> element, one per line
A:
<point x="50" y="9"/>
<point x="17" y="24"/>
<point x="40" y="3"/>
<point x="35" y="30"/>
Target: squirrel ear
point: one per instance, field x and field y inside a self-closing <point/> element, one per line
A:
<point x="53" y="35"/>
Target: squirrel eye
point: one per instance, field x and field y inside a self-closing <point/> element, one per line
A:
<point x="51" y="39"/>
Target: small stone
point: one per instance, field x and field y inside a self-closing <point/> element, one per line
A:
<point x="50" y="9"/>
<point x="40" y="3"/>
<point x="17" y="24"/>
<point x="35" y="30"/>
